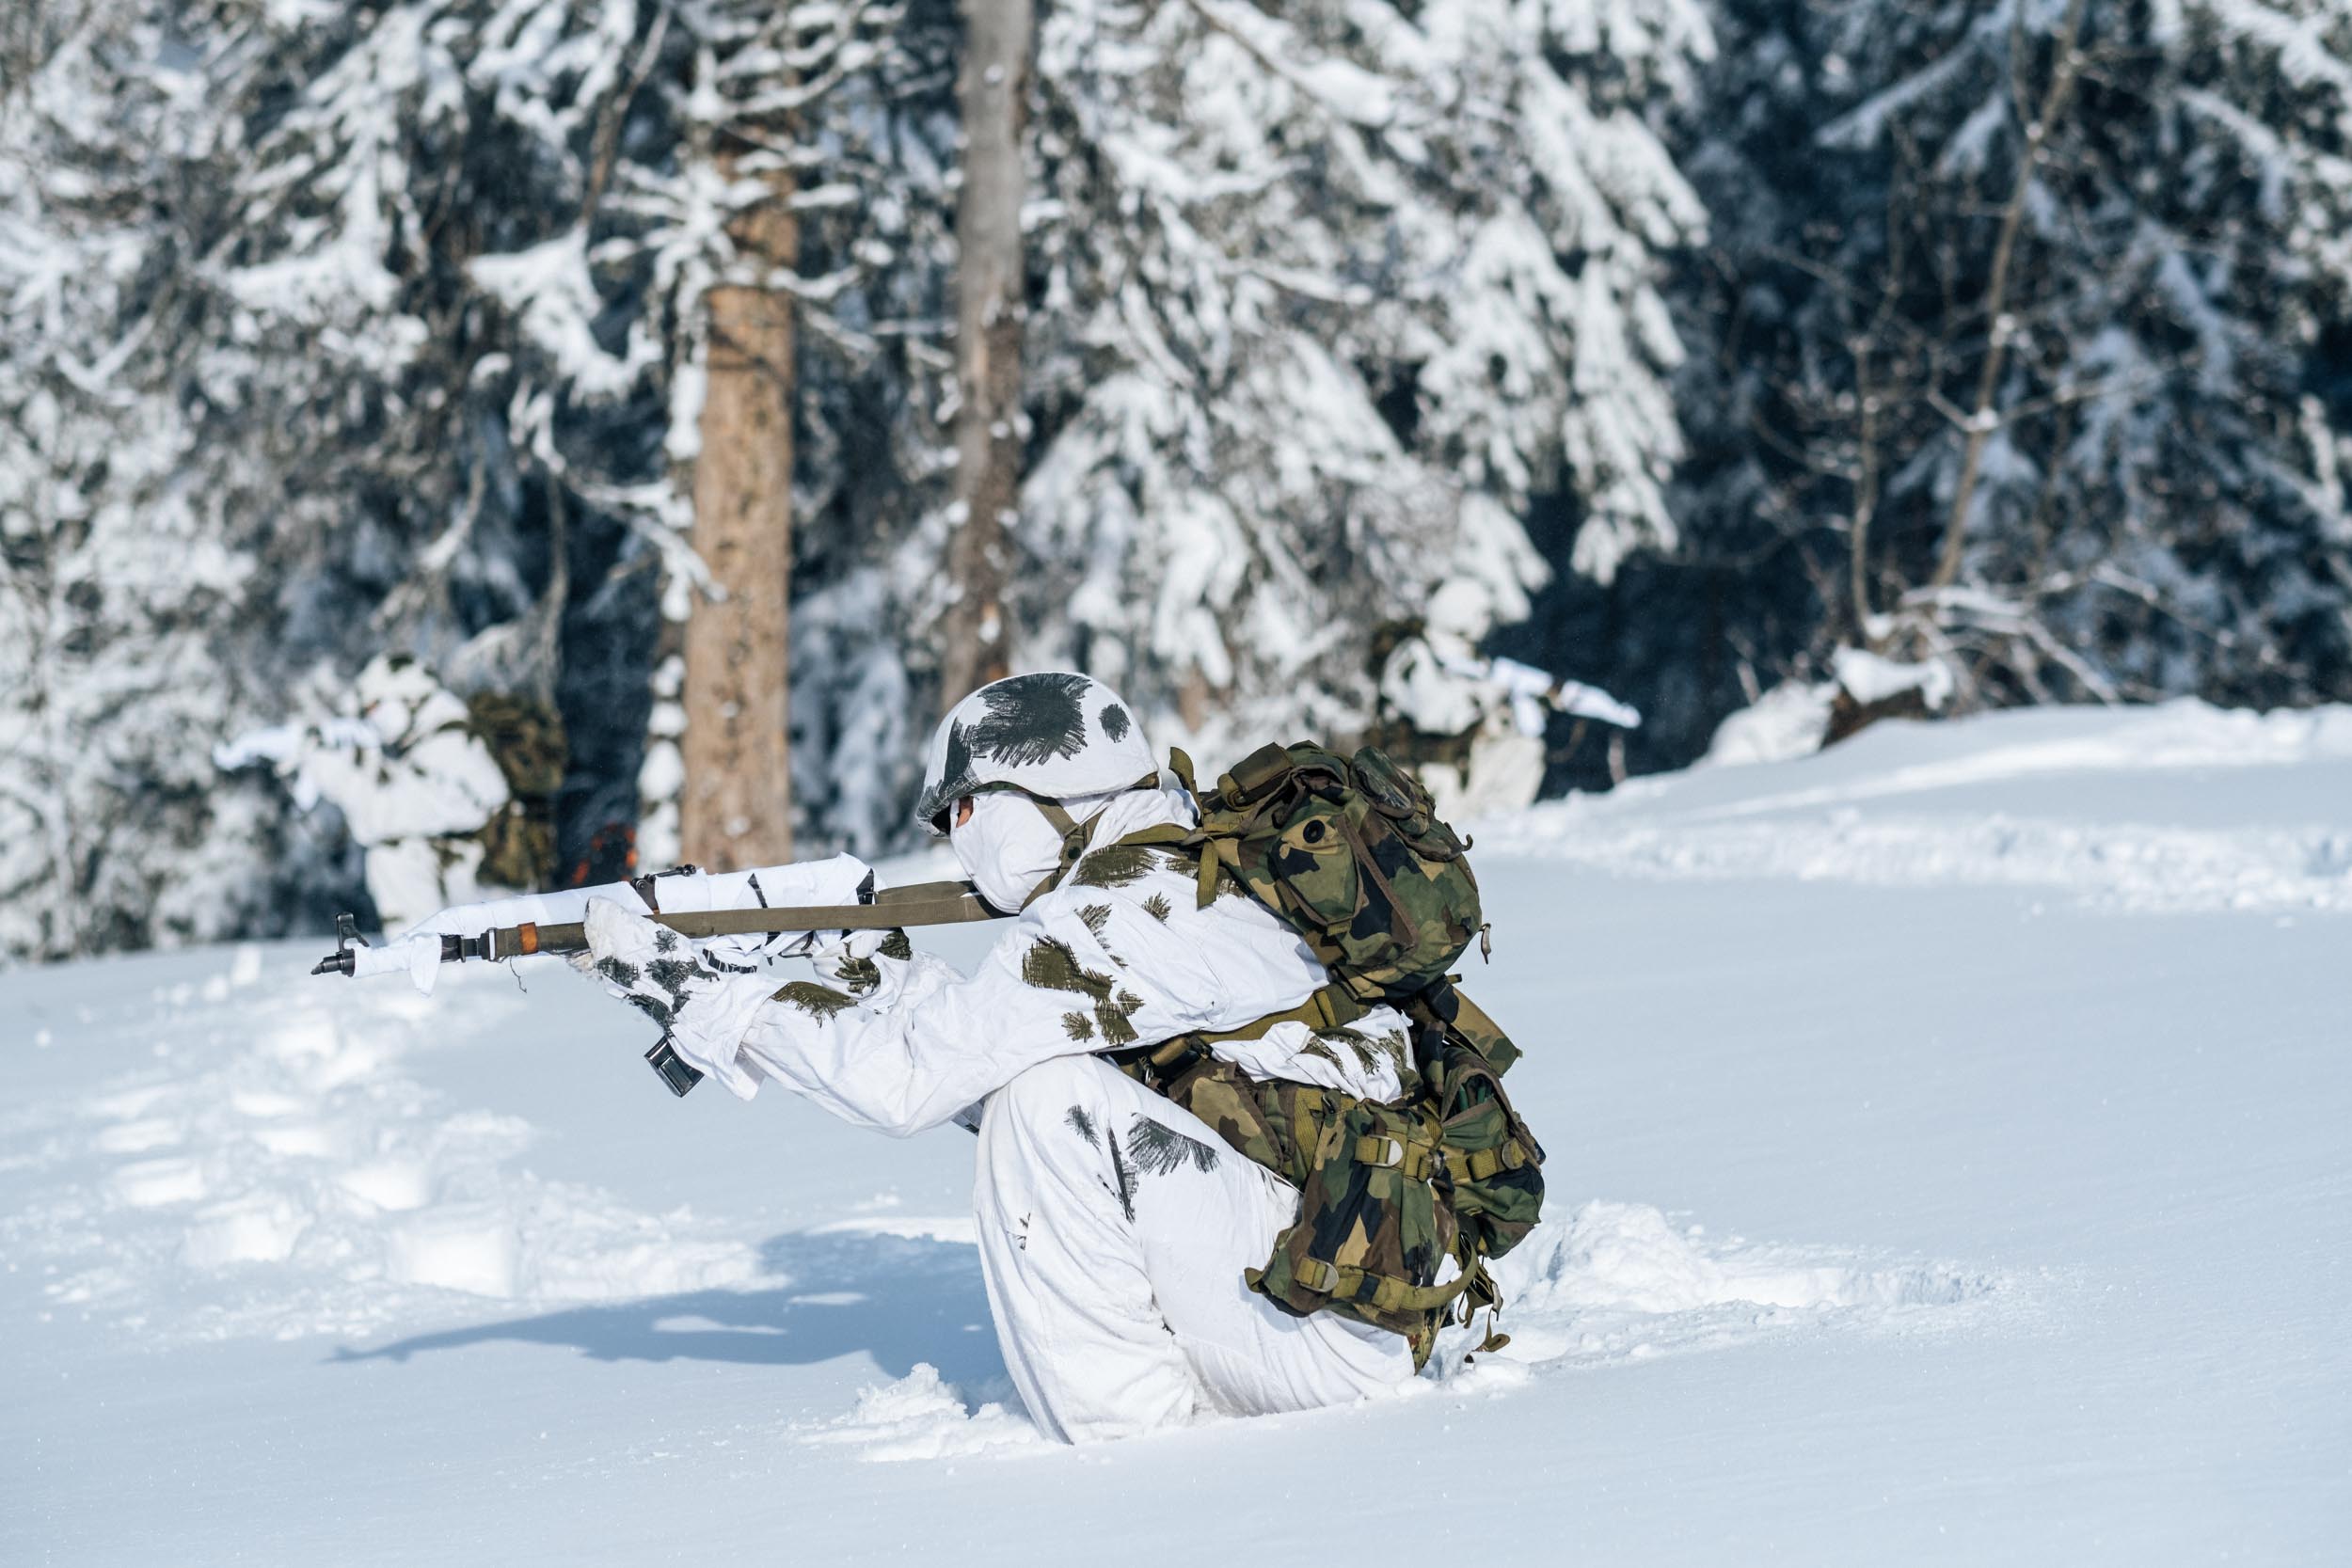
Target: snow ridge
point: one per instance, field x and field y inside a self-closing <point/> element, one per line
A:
<point x="1827" y="820"/>
<point x="2134" y="867"/>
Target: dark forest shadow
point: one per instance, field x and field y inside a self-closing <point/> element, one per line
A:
<point x="897" y="1299"/>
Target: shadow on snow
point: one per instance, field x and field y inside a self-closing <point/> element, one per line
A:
<point x="897" y="1299"/>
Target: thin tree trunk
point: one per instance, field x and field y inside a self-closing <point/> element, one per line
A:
<point x="735" y="810"/>
<point x="1865" y="504"/>
<point x="1871" y="395"/>
<point x="1982" y="418"/>
<point x="992" y="93"/>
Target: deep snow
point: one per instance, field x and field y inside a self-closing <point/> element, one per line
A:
<point x="1950" y="1161"/>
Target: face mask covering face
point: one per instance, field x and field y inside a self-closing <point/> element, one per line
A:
<point x="1006" y="847"/>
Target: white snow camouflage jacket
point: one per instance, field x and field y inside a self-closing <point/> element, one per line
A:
<point x="1118" y="955"/>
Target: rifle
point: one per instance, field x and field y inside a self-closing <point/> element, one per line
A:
<point x="883" y="909"/>
<point x="915" y="904"/>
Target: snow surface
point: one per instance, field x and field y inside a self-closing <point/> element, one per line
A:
<point x="1948" y="1160"/>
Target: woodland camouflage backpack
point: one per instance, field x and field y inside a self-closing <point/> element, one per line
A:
<point x="1350" y="853"/>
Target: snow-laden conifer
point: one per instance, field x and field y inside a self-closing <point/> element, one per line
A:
<point x="1327" y="295"/>
<point x="2010" y="354"/>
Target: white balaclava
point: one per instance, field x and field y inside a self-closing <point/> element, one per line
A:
<point x="1006" y="847"/>
<point x="1009" y="847"/>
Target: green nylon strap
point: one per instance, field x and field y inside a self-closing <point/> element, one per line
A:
<point x="917" y="904"/>
<point x="1180" y="764"/>
<point x="1331" y="1006"/>
<point x="1073" y="841"/>
<point x="1206" y="890"/>
<point x="1346" y="1282"/>
<point x="1075" y="834"/>
<point x="1076" y="837"/>
<point x="1166" y="836"/>
<point x="1169" y="1053"/>
<point x="1410" y="1158"/>
<point x="1485" y="1162"/>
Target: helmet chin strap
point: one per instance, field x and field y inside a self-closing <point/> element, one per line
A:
<point x="1075" y="835"/>
<point x="985" y="846"/>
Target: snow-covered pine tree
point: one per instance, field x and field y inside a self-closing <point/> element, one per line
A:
<point x="118" y="570"/>
<point x="1323" y="300"/>
<point x="2013" y="336"/>
<point x="338" y="334"/>
<point x="847" y="104"/>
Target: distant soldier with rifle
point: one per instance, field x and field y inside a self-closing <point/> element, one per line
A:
<point x="1472" y="727"/>
<point x="1243" y="1146"/>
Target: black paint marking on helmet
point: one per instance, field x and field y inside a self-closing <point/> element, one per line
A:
<point x="1031" y="718"/>
<point x="956" y="777"/>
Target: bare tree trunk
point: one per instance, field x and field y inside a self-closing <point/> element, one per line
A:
<point x="1872" y="397"/>
<point x="735" y="808"/>
<point x="992" y="94"/>
<point x="1983" y="419"/>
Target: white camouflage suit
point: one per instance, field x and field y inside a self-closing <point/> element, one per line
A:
<point x="1113" y="1225"/>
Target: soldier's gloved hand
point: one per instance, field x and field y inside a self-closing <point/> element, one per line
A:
<point x="686" y="890"/>
<point x="849" y="958"/>
<point x="651" y="967"/>
<point x="704" y="1015"/>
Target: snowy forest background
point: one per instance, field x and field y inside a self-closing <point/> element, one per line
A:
<point x="1691" y="342"/>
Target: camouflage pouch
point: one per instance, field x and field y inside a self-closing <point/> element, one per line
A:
<point x="1387" y="1192"/>
<point x="1373" y="1224"/>
<point x="1493" y="1165"/>
<point x="1273" y="1123"/>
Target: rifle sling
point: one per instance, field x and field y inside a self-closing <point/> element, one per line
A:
<point x="917" y="904"/>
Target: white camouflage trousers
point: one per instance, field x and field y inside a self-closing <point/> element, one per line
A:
<point x="1114" y="1227"/>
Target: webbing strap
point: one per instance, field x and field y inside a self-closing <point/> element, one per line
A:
<point x="1485" y="1163"/>
<point x="1411" y="1157"/>
<point x="1206" y="891"/>
<point x="1180" y="764"/>
<point x="1331" y="1007"/>
<point x="1077" y="837"/>
<point x="1385" y="1292"/>
<point x="917" y="904"/>
<point x="1168" y="1053"/>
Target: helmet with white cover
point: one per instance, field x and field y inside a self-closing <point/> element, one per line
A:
<point x="1053" y="733"/>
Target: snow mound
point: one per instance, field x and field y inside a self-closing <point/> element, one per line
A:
<point x="922" y="1417"/>
<point x="1623" y="1281"/>
<point x="1631" y="1257"/>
